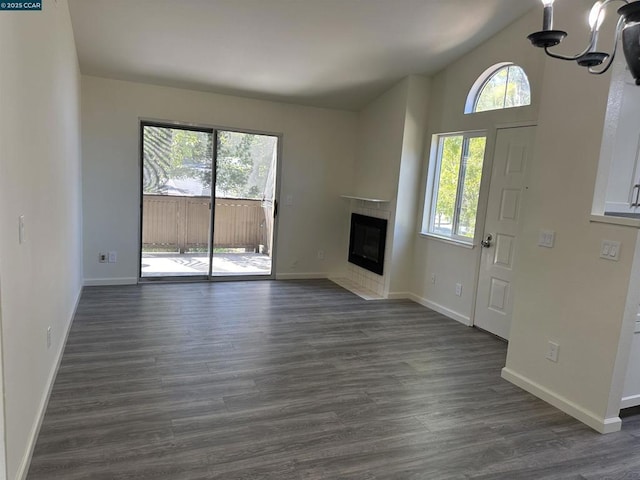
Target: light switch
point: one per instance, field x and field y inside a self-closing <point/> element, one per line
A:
<point x="610" y="250"/>
<point x="546" y="238"/>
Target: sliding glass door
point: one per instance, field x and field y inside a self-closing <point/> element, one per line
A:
<point x="176" y="196"/>
<point x="246" y="165"/>
<point x="207" y="213"/>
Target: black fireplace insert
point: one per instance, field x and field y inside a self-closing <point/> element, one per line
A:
<point x="367" y="242"/>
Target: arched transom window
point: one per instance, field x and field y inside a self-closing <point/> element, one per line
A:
<point x="502" y="86"/>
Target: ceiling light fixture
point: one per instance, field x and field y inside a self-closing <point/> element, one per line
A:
<point x="628" y="29"/>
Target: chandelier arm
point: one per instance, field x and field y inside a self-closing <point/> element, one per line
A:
<point x="572" y="57"/>
<point x="591" y="40"/>
<point x="612" y="57"/>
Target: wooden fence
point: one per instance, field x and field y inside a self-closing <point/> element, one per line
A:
<point x="182" y="223"/>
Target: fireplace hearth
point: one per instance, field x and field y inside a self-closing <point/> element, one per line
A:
<point x="367" y="242"/>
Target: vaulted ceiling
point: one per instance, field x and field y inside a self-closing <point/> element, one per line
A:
<point x="329" y="53"/>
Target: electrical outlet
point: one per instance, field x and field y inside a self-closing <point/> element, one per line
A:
<point x="552" y="351"/>
<point x="320" y="254"/>
<point x="433" y="278"/>
<point x="458" y="289"/>
<point x="48" y="337"/>
<point x="102" y="257"/>
<point x="113" y="257"/>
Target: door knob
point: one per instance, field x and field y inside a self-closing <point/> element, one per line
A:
<point x="487" y="243"/>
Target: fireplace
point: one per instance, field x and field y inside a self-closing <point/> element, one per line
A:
<point x="367" y="242"/>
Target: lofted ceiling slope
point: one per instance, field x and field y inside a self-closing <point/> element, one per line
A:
<point x="327" y="53"/>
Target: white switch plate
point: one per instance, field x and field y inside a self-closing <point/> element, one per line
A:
<point x="610" y="250"/>
<point x="288" y="200"/>
<point x="113" y="257"/>
<point x="459" y="289"/>
<point x="546" y="238"/>
<point x="552" y="351"/>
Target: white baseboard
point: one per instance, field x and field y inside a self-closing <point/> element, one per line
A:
<point x="301" y="276"/>
<point x="399" y="296"/>
<point x="465" y="320"/>
<point x="23" y="469"/>
<point x="96" y="282"/>
<point x="630" y="401"/>
<point x="599" y="424"/>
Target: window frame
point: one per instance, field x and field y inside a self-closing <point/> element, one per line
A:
<point x="433" y="184"/>
<point x="479" y="85"/>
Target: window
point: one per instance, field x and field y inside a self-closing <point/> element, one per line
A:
<point x="502" y="86"/>
<point x="454" y="186"/>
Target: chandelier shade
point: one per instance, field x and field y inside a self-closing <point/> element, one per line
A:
<point x="631" y="38"/>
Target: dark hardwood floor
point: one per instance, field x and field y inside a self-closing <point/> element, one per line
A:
<point x="299" y="380"/>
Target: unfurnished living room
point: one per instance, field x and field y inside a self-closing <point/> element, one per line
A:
<point x="319" y="239"/>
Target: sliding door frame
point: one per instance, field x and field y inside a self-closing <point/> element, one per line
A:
<point x="147" y="122"/>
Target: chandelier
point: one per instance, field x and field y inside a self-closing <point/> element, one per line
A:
<point x="597" y="62"/>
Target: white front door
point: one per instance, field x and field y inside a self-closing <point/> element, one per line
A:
<point x="494" y="301"/>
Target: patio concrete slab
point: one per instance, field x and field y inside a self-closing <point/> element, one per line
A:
<point x="190" y="264"/>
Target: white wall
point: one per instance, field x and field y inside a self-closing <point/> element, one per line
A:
<point x="380" y="135"/>
<point x="390" y="145"/>
<point x="409" y="185"/>
<point x="40" y="179"/>
<point x="453" y="264"/>
<point x="317" y="167"/>
<point x="568" y="294"/>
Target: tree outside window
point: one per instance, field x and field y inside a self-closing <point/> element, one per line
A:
<point x="506" y="86"/>
<point x="243" y="161"/>
<point x="455" y="185"/>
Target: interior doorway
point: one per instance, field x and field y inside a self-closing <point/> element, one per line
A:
<point x="208" y="203"/>
<point x="494" y="300"/>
